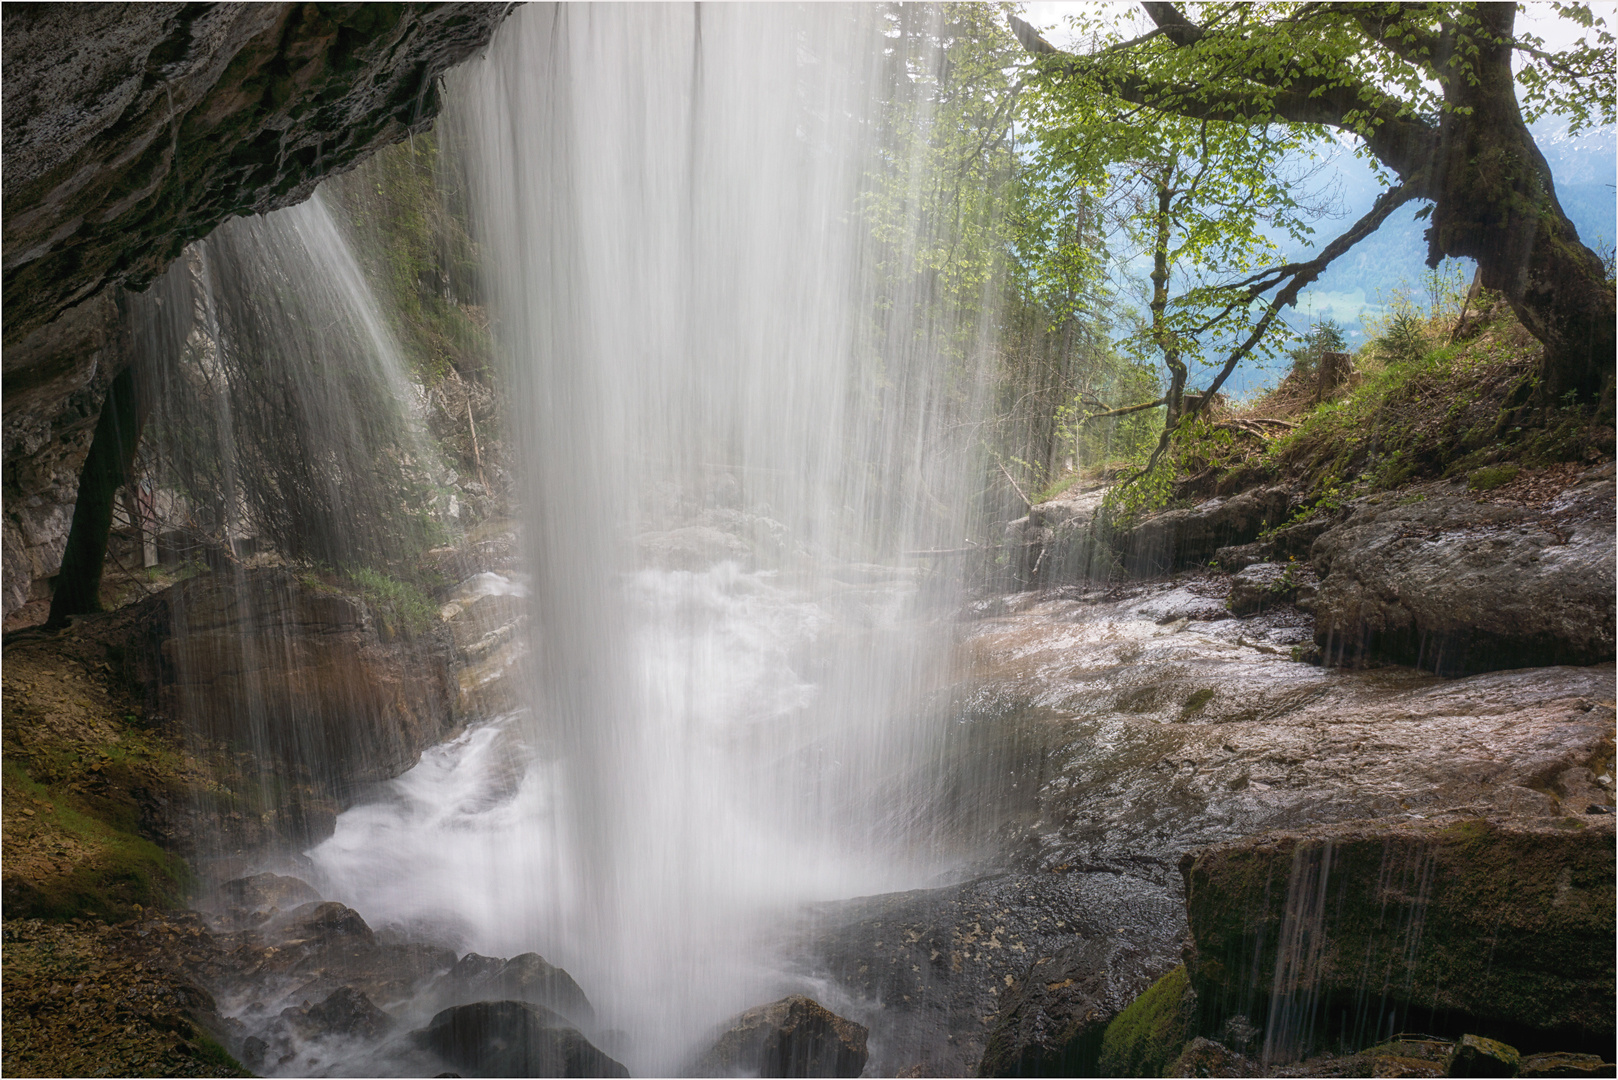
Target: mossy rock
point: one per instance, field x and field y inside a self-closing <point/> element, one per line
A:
<point x="1147" y="1037"/>
<point x="1479" y="924"/>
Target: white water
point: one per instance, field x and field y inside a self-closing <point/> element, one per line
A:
<point x="703" y="342"/>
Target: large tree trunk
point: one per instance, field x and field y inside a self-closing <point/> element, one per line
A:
<point x="106" y="469"/>
<point x="1495" y="202"/>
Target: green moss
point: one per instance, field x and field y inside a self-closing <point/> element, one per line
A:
<point x="114" y="869"/>
<point x="1146" y="1038"/>
<point x="1194" y="703"/>
<point x="1487" y="479"/>
<point x="210" y="1051"/>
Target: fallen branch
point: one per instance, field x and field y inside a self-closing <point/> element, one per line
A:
<point x="1025" y="499"/>
<point x="1126" y="409"/>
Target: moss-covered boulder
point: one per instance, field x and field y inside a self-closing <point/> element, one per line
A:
<point x="1338" y="935"/>
<point x="1148" y="1036"/>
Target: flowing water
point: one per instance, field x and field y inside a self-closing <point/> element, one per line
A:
<point x="731" y="409"/>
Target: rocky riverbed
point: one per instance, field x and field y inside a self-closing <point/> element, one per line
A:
<point x="1101" y="739"/>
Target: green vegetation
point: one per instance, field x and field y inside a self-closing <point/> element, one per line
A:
<point x="403" y="607"/>
<point x="1146" y="1038"/>
<point x="408" y="222"/>
<point x="1450" y="410"/>
<point x="119" y="871"/>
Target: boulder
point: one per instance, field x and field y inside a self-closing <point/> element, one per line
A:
<point x="323" y="921"/>
<point x="795" y="1036"/>
<point x="528" y="977"/>
<point x="1238" y="557"/>
<point x="249" y="901"/>
<point x="943" y="961"/>
<point x="302" y="675"/>
<point x="513" y="1038"/>
<point x="1146" y="1037"/>
<point x="1564" y="1064"/>
<point x="1052" y="1020"/>
<point x="1477" y="1056"/>
<point x="1440" y="578"/>
<point x="1204" y="1057"/>
<point x="1176" y="539"/>
<point x="1058" y="541"/>
<point x="346" y="1013"/>
<point x="1448" y="926"/>
<point x="1265" y="585"/>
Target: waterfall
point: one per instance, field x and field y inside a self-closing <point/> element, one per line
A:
<point x="283" y="450"/>
<point x="736" y="415"/>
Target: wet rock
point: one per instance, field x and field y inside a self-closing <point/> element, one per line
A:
<point x="1477" y="1056"/>
<point x="131" y="132"/>
<point x="1148" y="1035"/>
<point x="1052" y="1020"/>
<point x="1292" y="921"/>
<point x="1058" y="541"/>
<point x="345" y="1012"/>
<point x="305" y="677"/>
<point x="1204" y="1057"/>
<point x="1438" y="578"/>
<point x="795" y="1036"/>
<point x="528" y="977"/>
<point x="1564" y="1064"/>
<point x="1265" y="585"/>
<point x="513" y="1038"/>
<point x="321" y="921"/>
<point x="1104" y="739"/>
<point x="1176" y="539"/>
<point x="1235" y="559"/>
<point x="942" y="961"/>
<point x="249" y="901"/>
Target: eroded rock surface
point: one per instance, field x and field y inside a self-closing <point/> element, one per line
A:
<point x="54" y="384"/>
<point x="131" y="131"/>
<point x="304" y="675"/>
<point x="1112" y="730"/>
<point x="1456" y="583"/>
<point x="1458" y="924"/>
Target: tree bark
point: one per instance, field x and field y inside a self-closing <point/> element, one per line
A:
<point x="1493" y="196"/>
<point x="106" y="469"/>
<point x="1495" y="202"/>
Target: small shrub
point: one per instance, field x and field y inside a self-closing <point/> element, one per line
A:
<point x="1405" y="341"/>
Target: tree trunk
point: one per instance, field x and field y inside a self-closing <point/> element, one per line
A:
<point x="1494" y="201"/>
<point x="106" y="469"/>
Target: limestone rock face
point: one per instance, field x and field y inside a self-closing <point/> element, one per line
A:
<point x="304" y="677"/>
<point x="795" y="1036"/>
<point x="1180" y="538"/>
<point x="54" y="385"/>
<point x="1454" y="584"/>
<point x="133" y="130"/>
<point x="1454" y="924"/>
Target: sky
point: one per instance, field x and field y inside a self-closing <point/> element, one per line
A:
<point x="1357" y="290"/>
